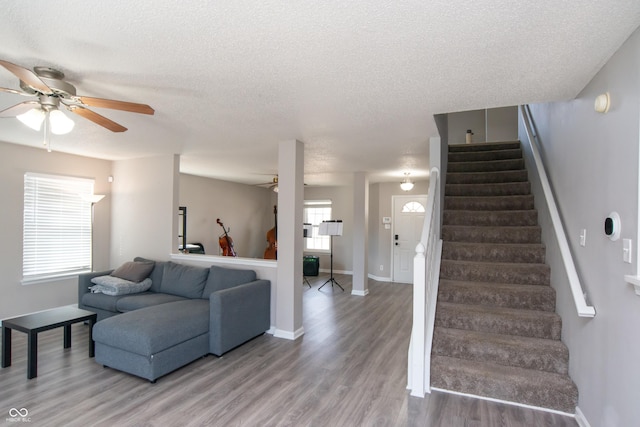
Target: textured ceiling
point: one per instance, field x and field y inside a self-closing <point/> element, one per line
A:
<point x="357" y="82"/>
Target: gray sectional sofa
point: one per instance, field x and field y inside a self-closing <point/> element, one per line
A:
<point x="187" y="313"/>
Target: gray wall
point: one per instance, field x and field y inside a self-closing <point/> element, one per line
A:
<point x="15" y="160"/>
<point x="245" y="210"/>
<point x="592" y="163"/>
<point x="490" y="125"/>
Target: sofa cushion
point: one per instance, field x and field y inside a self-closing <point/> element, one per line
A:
<point x="134" y="271"/>
<point x="146" y="299"/>
<point x="156" y="273"/>
<point x="183" y="280"/>
<point x="150" y="330"/>
<point x="101" y="301"/>
<point x="224" y="278"/>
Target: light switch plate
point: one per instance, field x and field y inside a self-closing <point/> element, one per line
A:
<point x="627" y="250"/>
<point x="583" y="237"/>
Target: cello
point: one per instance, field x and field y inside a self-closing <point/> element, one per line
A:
<point x="272" y="237"/>
<point x="226" y="242"/>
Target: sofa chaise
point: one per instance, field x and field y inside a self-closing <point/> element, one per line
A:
<point x="187" y="313"/>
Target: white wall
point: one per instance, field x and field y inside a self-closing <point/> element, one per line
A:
<point x="245" y="210"/>
<point x="458" y="123"/>
<point x="145" y="208"/>
<point x="592" y="163"/>
<point x="15" y="160"/>
<point x="502" y="124"/>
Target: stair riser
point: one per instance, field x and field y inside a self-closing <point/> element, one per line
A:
<point x="510" y="218"/>
<point x="492" y="166"/>
<point x="463" y="345"/>
<point x="542" y="298"/>
<point x="492" y="189"/>
<point x="561" y="395"/>
<point x="456" y="233"/>
<point x="484" y="156"/>
<point x="489" y="203"/>
<point x="487" y="177"/>
<point x="525" y="326"/>
<point x="520" y="274"/>
<point x="458" y="148"/>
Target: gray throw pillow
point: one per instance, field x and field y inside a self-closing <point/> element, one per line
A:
<point x="134" y="271"/>
<point x="183" y="280"/>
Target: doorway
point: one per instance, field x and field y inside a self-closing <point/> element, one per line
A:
<point x="408" y="219"/>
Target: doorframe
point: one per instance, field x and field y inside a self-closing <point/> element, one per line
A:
<point x="394" y="197"/>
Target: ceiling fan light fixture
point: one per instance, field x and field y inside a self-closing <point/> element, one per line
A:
<point x="32" y="118"/>
<point x="60" y="123"/>
<point x="406" y="184"/>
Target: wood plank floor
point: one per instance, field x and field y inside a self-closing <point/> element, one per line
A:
<point x="349" y="369"/>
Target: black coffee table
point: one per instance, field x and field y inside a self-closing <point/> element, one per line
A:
<point x="32" y="324"/>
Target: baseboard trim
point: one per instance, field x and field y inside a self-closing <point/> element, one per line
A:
<point x="360" y="293"/>
<point x="379" y="279"/>
<point x="288" y="335"/>
<point x="581" y="419"/>
<point x="326" y="270"/>
<point x="506" y="402"/>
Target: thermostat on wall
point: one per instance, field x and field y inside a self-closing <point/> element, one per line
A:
<point x="612" y="226"/>
<point x="386" y="220"/>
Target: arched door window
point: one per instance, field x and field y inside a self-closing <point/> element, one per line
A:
<point x="413" y="207"/>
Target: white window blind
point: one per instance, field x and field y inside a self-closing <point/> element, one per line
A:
<point x="57" y="226"/>
<point x="316" y="211"/>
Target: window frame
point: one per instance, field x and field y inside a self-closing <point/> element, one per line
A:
<point x="313" y="203"/>
<point x="56" y="211"/>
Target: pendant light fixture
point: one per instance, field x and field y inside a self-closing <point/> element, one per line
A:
<point x="406" y="184"/>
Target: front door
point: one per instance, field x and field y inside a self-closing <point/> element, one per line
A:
<point x="408" y="219"/>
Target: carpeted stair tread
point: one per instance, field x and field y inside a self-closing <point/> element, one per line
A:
<point x="514" y="273"/>
<point x="490" y="166"/>
<point x="489" y="203"/>
<point x="527" y="217"/>
<point x="464" y="233"/>
<point x="505" y="295"/>
<point x="484" y="156"/>
<point x="489" y="189"/>
<point x="524" y="386"/>
<point x="498" y="320"/>
<point x="494" y="252"/>
<point x="508" y="350"/>
<point x="487" y="177"/>
<point x="484" y="146"/>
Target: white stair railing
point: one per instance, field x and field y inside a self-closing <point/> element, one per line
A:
<point x="579" y="299"/>
<point x="426" y="274"/>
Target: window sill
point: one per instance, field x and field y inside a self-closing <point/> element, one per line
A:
<point x="50" y="279"/>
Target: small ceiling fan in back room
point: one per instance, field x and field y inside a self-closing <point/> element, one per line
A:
<point x="51" y="92"/>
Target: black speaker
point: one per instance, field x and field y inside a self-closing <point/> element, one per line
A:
<point x="310" y="265"/>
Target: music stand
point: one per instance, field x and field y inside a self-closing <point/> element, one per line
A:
<point x="331" y="228"/>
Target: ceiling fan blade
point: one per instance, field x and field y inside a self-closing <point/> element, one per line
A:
<point x="27" y="76"/>
<point x="116" y="105"/>
<point x="17" y="92"/>
<point x="97" y="118"/>
<point x="18" y="109"/>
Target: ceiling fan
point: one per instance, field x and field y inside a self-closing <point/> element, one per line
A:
<point x="52" y="91"/>
<point x="273" y="185"/>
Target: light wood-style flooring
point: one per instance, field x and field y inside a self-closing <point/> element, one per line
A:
<point x="349" y="369"/>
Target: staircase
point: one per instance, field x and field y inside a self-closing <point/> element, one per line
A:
<point x="497" y="334"/>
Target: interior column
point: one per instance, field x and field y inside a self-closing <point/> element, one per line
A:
<point x="290" y="240"/>
<point x="360" y="234"/>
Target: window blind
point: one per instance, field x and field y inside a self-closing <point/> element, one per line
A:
<point x="316" y="211"/>
<point x="57" y="226"/>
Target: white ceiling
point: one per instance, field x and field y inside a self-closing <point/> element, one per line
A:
<point x="357" y="82"/>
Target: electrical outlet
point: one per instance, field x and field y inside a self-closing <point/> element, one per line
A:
<point x="381" y="267"/>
